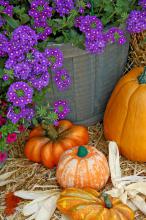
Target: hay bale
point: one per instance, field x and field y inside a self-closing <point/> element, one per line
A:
<point x="33" y="176"/>
<point x="138" y="49"/>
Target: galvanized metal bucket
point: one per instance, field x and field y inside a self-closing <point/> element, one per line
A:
<point x="93" y="79"/>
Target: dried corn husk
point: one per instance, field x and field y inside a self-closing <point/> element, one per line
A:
<point x="4" y="178"/>
<point x="129" y="188"/>
<point x="43" y="205"/>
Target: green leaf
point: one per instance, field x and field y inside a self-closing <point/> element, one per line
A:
<point x="60" y="39"/>
<point x="34" y="121"/>
<point x="2" y="62"/>
<point x="24" y="18"/>
<point x="12" y="22"/>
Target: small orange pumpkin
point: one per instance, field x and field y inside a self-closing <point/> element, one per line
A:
<point x="81" y="204"/>
<point x="81" y="167"/>
<point x="46" y="144"/>
<point x="125" y="115"/>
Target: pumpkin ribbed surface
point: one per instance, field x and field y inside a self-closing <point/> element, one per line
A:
<point x="89" y="171"/>
<point x="88" y="204"/>
<point x="125" y="116"/>
<point x="41" y="148"/>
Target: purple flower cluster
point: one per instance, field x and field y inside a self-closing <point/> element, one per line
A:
<point x="96" y="40"/>
<point x="20" y="94"/>
<point x="39" y="81"/>
<point x="78" y="21"/>
<point x="6" y="7"/>
<point x="22" y="70"/>
<point x="31" y="67"/>
<point x="16" y="113"/>
<point x="96" y="46"/>
<point x="142" y="3"/>
<point x="92" y="27"/>
<point x="62" y="79"/>
<point x="54" y="57"/>
<point x="29" y="64"/>
<point x="37" y="61"/>
<point x="63" y="7"/>
<point x="136" y="21"/>
<point x="3" y="42"/>
<point x="115" y="34"/>
<point x="23" y="39"/>
<point x="34" y="68"/>
<point x="43" y="31"/>
<point x="61" y="108"/>
<point x="41" y="11"/>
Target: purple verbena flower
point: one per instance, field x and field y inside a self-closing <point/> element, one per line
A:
<point x="40" y="9"/>
<point x="22" y="70"/>
<point x="24" y="36"/>
<point x="3" y="43"/>
<point x="15" y="113"/>
<point x="90" y="24"/>
<point x="43" y="32"/>
<point x="29" y="113"/>
<point x="40" y="81"/>
<point x="55" y="58"/>
<point x="92" y="35"/>
<point x="10" y="63"/>
<point x="22" y="41"/>
<point x="142" y="3"/>
<point x="78" y="21"/>
<point x="81" y="10"/>
<point x="136" y="21"/>
<point x="97" y="46"/>
<point x="61" y="108"/>
<point x="20" y="94"/>
<point x="38" y="62"/>
<point x="63" y="7"/>
<point x="115" y="34"/>
<point x="62" y="79"/>
<point x="6" y="7"/>
<point x="88" y="5"/>
<point x="5" y="77"/>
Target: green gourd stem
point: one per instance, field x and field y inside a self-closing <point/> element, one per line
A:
<point x="50" y="131"/>
<point x="82" y="151"/>
<point x="107" y="201"/>
<point x="92" y="7"/>
<point x="142" y="77"/>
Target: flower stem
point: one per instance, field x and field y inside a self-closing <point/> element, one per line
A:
<point x="92" y="7"/>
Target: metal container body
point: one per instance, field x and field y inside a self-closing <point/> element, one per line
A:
<point x="93" y="79"/>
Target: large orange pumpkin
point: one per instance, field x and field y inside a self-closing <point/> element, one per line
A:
<point x="46" y="144"/>
<point x="88" y="204"/>
<point x="82" y="166"/>
<point x="125" y="115"/>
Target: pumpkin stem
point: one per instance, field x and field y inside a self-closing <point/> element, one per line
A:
<point x="107" y="200"/>
<point x="82" y="151"/>
<point x="50" y="131"/>
<point x="142" y="77"/>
